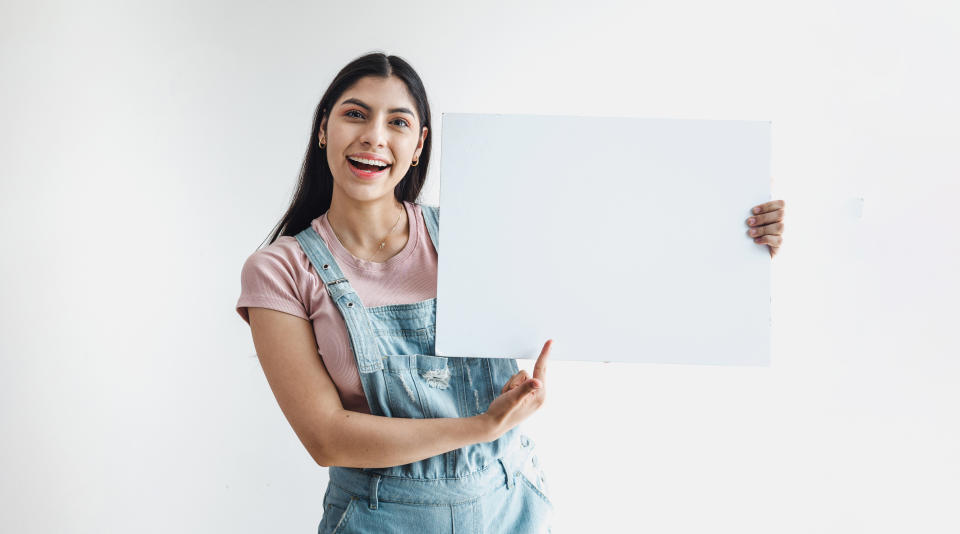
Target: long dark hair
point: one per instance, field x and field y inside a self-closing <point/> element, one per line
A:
<point x="315" y="187"/>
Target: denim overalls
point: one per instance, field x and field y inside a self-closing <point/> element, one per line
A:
<point x="481" y="488"/>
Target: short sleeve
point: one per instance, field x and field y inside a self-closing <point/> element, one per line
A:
<point x="269" y="279"/>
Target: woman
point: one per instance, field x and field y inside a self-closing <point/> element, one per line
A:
<point x="414" y="442"/>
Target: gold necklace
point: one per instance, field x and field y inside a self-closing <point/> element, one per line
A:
<point x="383" y="242"/>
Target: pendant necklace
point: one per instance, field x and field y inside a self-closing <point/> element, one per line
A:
<point x="383" y="241"/>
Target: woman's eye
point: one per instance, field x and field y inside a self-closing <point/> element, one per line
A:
<point x="359" y="115"/>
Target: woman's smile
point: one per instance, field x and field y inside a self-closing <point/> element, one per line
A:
<point x="360" y="167"/>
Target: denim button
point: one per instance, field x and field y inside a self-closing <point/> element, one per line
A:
<point x="326" y="265"/>
<point x="349" y="304"/>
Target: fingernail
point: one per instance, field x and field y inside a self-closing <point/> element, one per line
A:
<point x="753" y="232"/>
<point x="752" y="220"/>
<point x="756" y="210"/>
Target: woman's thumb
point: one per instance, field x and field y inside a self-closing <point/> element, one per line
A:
<point x="532" y="384"/>
<point x="525" y="388"/>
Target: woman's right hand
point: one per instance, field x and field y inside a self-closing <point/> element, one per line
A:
<point x="519" y="397"/>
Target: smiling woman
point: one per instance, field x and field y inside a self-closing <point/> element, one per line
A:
<point x="374" y="138"/>
<point x="342" y="309"/>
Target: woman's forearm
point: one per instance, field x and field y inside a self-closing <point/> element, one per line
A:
<point x="363" y="440"/>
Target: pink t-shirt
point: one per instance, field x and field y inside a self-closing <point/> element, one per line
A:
<point x="280" y="277"/>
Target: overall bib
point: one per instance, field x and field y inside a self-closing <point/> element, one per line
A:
<point x="480" y="488"/>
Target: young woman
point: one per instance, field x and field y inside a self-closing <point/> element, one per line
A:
<point x="414" y="442"/>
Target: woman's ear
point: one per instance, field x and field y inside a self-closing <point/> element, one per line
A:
<point x="323" y="127"/>
<point x="423" y="137"/>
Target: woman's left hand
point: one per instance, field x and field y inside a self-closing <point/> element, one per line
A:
<point x="766" y="225"/>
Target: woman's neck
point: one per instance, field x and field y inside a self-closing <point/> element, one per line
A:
<point x="362" y="226"/>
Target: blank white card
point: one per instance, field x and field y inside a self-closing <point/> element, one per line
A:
<point x="622" y="239"/>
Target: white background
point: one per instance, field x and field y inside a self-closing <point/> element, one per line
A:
<point x="147" y="150"/>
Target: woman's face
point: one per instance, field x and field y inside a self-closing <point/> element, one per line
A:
<point x="373" y="119"/>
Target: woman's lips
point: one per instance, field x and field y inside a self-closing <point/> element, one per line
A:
<point x="366" y="175"/>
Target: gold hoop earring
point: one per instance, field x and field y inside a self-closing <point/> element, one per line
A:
<point x="322" y="142"/>
<point x="414" y="164"/>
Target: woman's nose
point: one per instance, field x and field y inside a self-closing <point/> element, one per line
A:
<point x="374" y="134"/>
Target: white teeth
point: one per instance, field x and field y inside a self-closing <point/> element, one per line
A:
<point x="368" y="161"/>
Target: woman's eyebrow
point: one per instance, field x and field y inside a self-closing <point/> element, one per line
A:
<point x="366" y="107"/>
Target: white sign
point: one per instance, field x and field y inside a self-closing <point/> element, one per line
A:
<point x="622" y="239"/>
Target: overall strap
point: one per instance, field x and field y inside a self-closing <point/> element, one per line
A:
<point x="431" y="218"/>
<point x="322" y="259"/>
<point x="363" y="342"/>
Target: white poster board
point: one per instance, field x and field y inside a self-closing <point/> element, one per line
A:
<point x="622" y="239"/>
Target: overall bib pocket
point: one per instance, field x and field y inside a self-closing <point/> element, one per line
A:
<point x="419" y="386"/>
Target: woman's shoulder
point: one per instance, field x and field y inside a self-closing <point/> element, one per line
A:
<point x="279" y="276"/>
<point x="284" y="258"/>
<point x="425" y="208"/>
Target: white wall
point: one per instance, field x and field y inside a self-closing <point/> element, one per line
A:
<point x="148" y="149"/>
